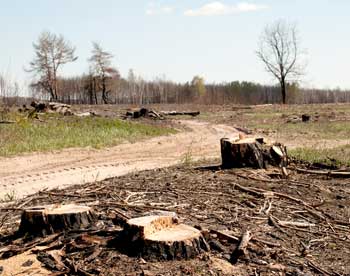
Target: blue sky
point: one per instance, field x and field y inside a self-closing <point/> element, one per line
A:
<point x="180" y="39"/>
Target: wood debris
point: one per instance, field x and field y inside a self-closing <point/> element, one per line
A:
<point x="298" y="224"/>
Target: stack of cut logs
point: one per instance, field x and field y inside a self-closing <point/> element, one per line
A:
<point x="52" y="107"/>
<point x="60" y="108"/>
<point x="150" y="113"/>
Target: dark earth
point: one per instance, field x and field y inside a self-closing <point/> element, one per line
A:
<point x="299" y="225"/>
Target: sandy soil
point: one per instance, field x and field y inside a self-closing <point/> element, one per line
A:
<point x="28" y="174"/>
<point x="25" y="264"/>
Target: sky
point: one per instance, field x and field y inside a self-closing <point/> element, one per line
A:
<point x="179" y="39"/>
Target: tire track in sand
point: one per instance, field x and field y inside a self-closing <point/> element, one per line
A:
<point x="30" y="173"/>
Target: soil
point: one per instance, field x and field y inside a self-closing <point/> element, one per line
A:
<point x="300" y="225"/>
<point x="28" y="174"/>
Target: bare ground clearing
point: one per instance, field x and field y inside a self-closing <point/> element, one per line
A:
<point x="27" y="174"/>
<point x="300" y="226"/>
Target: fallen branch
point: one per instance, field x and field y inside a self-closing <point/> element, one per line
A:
<point x="275" y="223"/>
<point x="319" y="269"/>
<point x="241" y="250"/>
<point x="176" y="113"/>
<point x="224" y="236"/>
<point x="336" y="174"/>
<point x="296" y="223"/>
<point x="269" y="194"/>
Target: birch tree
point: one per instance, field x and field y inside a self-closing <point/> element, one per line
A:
<point x="51" y="53"/>
<point x="101" y="66"/>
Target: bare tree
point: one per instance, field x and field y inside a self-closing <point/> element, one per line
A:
<point x="280" y="53"/>
<point x="9" y="90"/>
<point x="101" y="66"/>
<point x="51" y="52"/>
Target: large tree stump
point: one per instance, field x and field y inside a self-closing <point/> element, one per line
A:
<point x="241" y="153"/>
<point x="253" y="153"/>
<point x="162" y="238"/>
<point x="45" y="220"/>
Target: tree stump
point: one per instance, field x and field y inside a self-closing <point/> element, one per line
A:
<point x="241" y="153"/>
<point x="252" y="152"/>
<point x="45" y="220"/>
<point x="162" y="238"/>
<point x="305" y="118"/>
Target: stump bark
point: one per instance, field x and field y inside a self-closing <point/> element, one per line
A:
<point x="45" y="220"/>
<point x="162" y="238"/>
<point x="305" y="118"/>
<point x="253" y="153"/>
<point x="277" y="155"/>
<point x="242" y="153"/>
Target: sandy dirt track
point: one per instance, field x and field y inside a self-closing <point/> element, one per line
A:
<point x="31" y="173"/>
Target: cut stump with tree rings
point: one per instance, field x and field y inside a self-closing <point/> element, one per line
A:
<point x="162" y="238"/>
<point x="46" y="220"/>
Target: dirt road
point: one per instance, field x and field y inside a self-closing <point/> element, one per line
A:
<point x="24" y="175"/>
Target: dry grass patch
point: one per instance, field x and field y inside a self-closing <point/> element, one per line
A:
<point x="56" y="132"/>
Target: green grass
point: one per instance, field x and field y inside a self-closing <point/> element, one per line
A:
<point x="333" y="126"/>
<point x="58" y="132"/>
<point x="312" y="130"/>
<point x="307" y="134"/>
<point x="338" y="156"/>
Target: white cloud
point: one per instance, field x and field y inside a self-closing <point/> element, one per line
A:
<point x="154" y="9"/>
<point x="219" y="8"/>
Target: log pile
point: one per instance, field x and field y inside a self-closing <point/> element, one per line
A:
<point x="252" y="152"/>
<point x="52" y="107"/>
<point x="181" y="113"/>
<point x="137" y="113"/>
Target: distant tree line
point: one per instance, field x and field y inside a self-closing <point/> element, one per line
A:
<point x="136" y="91"/>
<point x="102" y="84"/>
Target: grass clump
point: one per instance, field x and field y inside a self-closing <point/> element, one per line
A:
<point x="57" y="132"/>
<point x="338" y="156"/>
<point x="312" y="130"/>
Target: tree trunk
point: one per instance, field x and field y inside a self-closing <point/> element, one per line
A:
<point x="91" y="91"/>
<point x="95" y="90"/>
<point x="283" y="90"/>
<point x="242" y="153"/>
<point x="52" y="94"/>
<point x="104" y="95"/>
<point x="45" y="220"/>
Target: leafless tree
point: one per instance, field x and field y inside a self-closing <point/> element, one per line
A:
<point x="51" y="52"/>
<point x="9" y="90"/>
<point x="101" y="66"/>
<point x="279" y="50"/>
